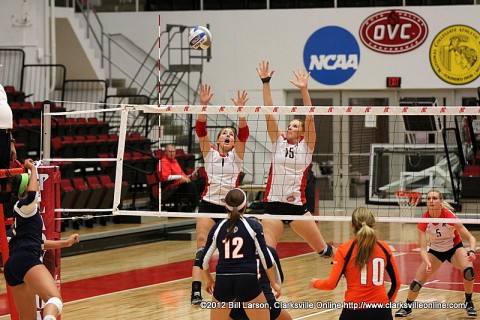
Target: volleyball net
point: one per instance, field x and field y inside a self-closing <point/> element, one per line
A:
<point x="364" y="156"/>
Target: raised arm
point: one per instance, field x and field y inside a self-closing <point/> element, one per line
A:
<point x="243" y="130"/>
<point x="201" y="125"/>
<point x="302" y="84"/>
<point x="33" y="181"/>
<point x="265" y="75"/>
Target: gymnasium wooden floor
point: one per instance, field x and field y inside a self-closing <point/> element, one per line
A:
<point x="151" y="281"/>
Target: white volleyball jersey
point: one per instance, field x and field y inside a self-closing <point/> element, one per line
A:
<point x="6" y="115"/>
<point x="288" y="172"/>
<point x="223" y="174"/>
<point x="441" y="236"/>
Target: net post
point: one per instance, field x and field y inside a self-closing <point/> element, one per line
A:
<point x="159" y="66"/>
<point x="47" y="132"/>
<point x="159" y="88"/>
<point x="120" y="154"/>
<point x="49" y="180"/>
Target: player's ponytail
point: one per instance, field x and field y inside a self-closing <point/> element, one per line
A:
<point x="362" y="222"/>
<point x="236" y="204"/>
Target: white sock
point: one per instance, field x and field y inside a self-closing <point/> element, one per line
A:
<point x="49" y="317"/>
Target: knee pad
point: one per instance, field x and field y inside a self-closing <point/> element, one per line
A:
<point x="198" y="255"/>
<point x="57" y="302"/>
<point x="415" y="286"/>
<point x="468" y="274"/>
<point x="49" y="317"/>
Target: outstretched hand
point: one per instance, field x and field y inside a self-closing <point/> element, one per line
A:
<point x="302" y="79"/>
<point x="205" y="94"/>
<point x="241" y="98"/>
<point x="29" y="164"/>
<point x="263" y="70"/>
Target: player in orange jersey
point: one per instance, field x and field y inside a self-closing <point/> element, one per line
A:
<point x="363" y="260"/>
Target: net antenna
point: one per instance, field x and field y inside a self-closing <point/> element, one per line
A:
<point x="407" y="201"/>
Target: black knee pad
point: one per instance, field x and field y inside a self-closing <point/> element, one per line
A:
<point x="198" y="255"/>
<point x="469" y="274"/>
<point x="415" y="286"/>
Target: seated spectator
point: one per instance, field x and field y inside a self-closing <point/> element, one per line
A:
<point x="170" y="171"/>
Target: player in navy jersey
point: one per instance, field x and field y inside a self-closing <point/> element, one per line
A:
<point x="223" y="165"/>
<point x="24" y="270"/>
<point x="445" y="244"/>
<point x="238" y="240"/>
<point x="291" y="158"/>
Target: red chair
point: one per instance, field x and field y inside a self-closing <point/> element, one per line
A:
<point x="68" y="146"/>
<point x="159" y="154"/>
<point x="81" y="126"/>
<point x="97" y="192"/>
<point x="168" y="190"/>
<point x="79" y="146"/>
<point x="107" y="182"/>
<point x="68" y="194"/>
<point x="91" y="146"/>
<point x="84" y="193"/>
<point x="96" y="126"/>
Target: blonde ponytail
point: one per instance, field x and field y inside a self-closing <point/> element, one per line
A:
<point x="363" y="221"/>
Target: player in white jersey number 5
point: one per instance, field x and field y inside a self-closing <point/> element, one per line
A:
<point x="445" y="243"/>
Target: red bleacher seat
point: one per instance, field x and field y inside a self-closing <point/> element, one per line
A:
<point x="108" y="183"/>
<point x="81" y="126"/>
<point x="97" y="192"/>
<point x="91" y="146"/>
<point x="9" y="89"/>
<point x="84" y="193"/>
<point x="96" y="126"/>
<point x="68" y="193"/>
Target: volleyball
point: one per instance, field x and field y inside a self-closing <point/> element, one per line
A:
<point x="200" y="38"/>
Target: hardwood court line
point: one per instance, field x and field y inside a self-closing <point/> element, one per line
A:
<point x="140" y="278"/>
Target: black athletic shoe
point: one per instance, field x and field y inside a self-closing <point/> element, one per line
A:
<point x="196" y="298"/>
<point x="470" y="309"/>
<point x="402" y="312"/>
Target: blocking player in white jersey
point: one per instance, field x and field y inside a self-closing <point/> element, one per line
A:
<point x="444" y="241"/>
<point x="291" y="156"/>
<point x="223" y="166"/>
